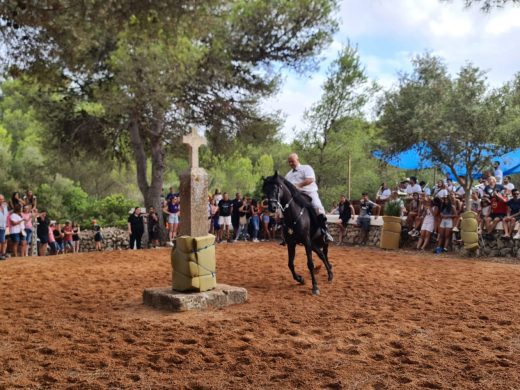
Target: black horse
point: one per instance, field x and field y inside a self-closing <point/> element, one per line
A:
<point x="301" y="225"/>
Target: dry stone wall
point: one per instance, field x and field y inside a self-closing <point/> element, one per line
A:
<point x="113" y="239"/>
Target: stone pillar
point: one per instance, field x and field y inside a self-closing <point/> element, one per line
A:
<point x="194" y="203"/>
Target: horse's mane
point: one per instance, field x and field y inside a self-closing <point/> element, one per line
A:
<point x="298" y="197"/>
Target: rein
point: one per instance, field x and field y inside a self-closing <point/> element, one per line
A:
<point x="284" y="209"/>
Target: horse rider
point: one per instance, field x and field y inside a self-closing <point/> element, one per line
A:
<point x="304" y="179"/>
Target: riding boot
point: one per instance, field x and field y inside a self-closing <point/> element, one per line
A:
<point x="323" y="221"/>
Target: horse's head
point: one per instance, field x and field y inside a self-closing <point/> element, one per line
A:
<point x="272" y="188"/>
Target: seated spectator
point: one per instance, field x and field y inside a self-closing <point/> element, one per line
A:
<point x="440" y="190"/>
<point x="413" y="211"/>
<point x="498" y="204"/>
<point x="485" y="211"/>
<point x="413" y="187"/>
<point x="428" y="213"/>
<point x="449" y="185"/>
<point x="513" y="215"/>
<point x="476" y="204"/>
<point x="366" y="209"/>
<point x="15" y="200"/>
<point x="508" y="186"/>
<point x="383" y="193"/>
<point x="425" y="189"/>
<point x="30" y="199"/>
<point x="458" y="189"/>
<point x="497" y="173"/>
<point x="346" y="212"/>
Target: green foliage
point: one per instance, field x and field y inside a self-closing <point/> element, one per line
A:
<point x="112" y="210"/>
<point x="451" y="121"/>
<point x="392" y="208"/>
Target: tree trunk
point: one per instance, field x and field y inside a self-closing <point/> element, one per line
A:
<point x="151" y="192"/>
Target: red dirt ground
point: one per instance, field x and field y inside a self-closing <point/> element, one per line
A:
<point x="389" y="320"/>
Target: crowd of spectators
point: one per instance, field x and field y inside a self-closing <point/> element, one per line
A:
<point x="432" y="215"/>
<point x="22" y="224"/>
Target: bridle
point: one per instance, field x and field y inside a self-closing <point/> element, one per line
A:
<point x="277" y="199"/>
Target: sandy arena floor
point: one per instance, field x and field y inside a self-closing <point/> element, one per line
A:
<point x="389" y="320"/>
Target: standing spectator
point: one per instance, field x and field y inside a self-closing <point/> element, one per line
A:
<point x="171" y="194"/>
<point x="3" y="226"/>
<point x="346" y="212"/>
<point x="458" y="190"/>
<point x="255" y="219"/>
<point x="429" y="211"/>
<point x="16" y="227"/>
<point x="440" y="190"/>
<point x="225" y="208"/>
<point x="366" y="208"/>
<point x="498" y="172"/>
<point x="58" y="238"/>
<point x="217" y="196"/>
<point x="153" y="227"/>
<point x="173" y="210"/>
<point x="135" y="228"/>
<point x="98" y="236"/>
<point x="266" y="234"/>
<point x="30" y="199"/>
<point x="75" y="236"/>
<point x="383" y="193"/>
<point x="235" y="214"/>
<point x="42" y="232"/>
<point x="27" y="216"/>
<point x="52" y="241"/>
<point x="447" y="212"/>
<point x="214" y="226"/>
<point x="68" y="242"/>
<point x="244" y="209"/>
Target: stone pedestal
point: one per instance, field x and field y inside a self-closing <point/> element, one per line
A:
<point x="167" y="299"/>
<point x="194" y="203"/>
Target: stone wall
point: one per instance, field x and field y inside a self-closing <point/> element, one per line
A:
<point x="493" y="247"/>
<point x="113" y="239"/>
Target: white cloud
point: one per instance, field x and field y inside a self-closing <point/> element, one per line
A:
<point x="390" y="33"/>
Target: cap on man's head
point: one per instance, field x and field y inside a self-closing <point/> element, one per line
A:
<point x="364" y="193"/>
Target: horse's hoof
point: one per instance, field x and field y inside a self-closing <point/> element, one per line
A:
<point x="300" y="279"/>
<point x="315" y="291"/>
<point x="331" y="276"/>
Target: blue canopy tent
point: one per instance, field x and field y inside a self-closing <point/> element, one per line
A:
<point x="411" y="160"/>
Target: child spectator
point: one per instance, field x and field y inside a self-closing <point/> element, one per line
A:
<point x="52" y="241"/>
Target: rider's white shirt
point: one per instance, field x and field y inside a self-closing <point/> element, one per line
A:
<point x="301" y="173"/>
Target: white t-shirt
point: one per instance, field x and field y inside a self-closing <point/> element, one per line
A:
<point x="460" y="191"/>
<point x="413" y="188"/>
<point x="509" y="186"/>
<point x="300" y="173"/>
<point x="385" y="194"/>
<point x="443" y="193"/>
<point x="427" y="191"/>
<point x="498" y="175"/>
<point x="15" y="229"/>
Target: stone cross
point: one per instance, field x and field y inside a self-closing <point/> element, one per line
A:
<point x="194" y="141"/>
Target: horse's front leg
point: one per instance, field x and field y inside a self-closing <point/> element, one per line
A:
<point x="323" y="255"/>
<point x="310" y="265"/>
<point x="291" y="249"/>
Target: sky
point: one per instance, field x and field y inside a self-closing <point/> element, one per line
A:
<point x="389" y="33"/>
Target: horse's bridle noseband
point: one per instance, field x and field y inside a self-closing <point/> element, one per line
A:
<point x="277" y="200"/>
